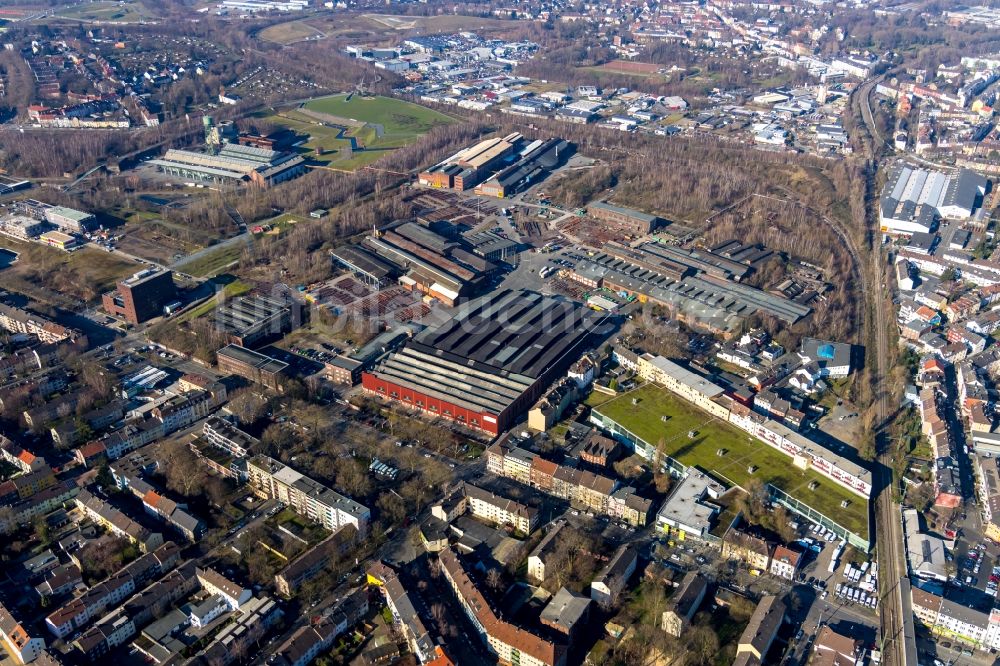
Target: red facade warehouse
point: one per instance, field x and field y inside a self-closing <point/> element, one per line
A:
<point x="491" y="423"/>
<point x="487" y="365"/>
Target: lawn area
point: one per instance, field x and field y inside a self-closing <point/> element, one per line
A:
<point x="644" y="419"/>
<point x="231" y="290"/>
<point x="596" y="398"/>
<point x="391" y="124"/>
<point x="119" y="12"/>
<point x="85" y="273"/>
<point x="290" y="32"/>
<point x="300" y="526"/>
<point x="211" y="262"/>
<point x="400" y="119"/>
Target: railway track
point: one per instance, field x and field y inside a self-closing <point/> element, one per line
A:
<point x="897" y="642"/>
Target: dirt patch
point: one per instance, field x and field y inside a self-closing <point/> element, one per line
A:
<point x="630" y="67"/>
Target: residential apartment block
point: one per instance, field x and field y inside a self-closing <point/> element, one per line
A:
<point x="271" y="479"/>
<point x="18" y="641"/>
<point x="117" y="522"/>
<point x="501" y="510"/>
<point x="590" y="491"/>
<point x="312" y="562"/>
<point x="613" y="578"/>
<point x="16" y="320"/>
<point x="684" y="604"/>
<point x="511" y="644"/>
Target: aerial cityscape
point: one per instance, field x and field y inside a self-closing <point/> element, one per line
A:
<point x="521" y="332"/>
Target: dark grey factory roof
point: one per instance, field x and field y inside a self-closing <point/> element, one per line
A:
<point x="357" y="258"/>
<point x="474" y="387"/>
<point x="252" y="358"/>
<point x="630" y="212"/>
<point x="963" y="189"/>
<point x="246" y="313"/>
<point x="519" y="332"/>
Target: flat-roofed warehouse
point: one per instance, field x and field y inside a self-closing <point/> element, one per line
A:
<point x="534" y="163"/>
<point x="468" y="167"/>
<point x="487" y="365"/>
<point x="234" y="163"/>
<point x="635" y="221"/>
<point x="249" y="319"/>
<point x="252" y="365"/>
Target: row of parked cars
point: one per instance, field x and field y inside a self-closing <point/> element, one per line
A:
<point x="856" y="595"/>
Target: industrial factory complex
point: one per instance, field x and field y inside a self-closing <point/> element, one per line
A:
<point x="498" y="167"/>
<point x="916" y="200"/>
<point x="232" y="165"/>
<point x="699" y="287"/>
<point x="489" y="363"/>
<point x="446" y="267"/>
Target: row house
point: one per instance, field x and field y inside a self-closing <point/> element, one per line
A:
<point x="117" y="522"/>
<point x="289" y="580"/>
<point x="952" y="620"/>
<point x="19" y="640"/>
<point x="39" y="504"/>
<point x="40" y="385"/>
<point x="111" y="592"/>
<point x="117" y="444"/>
<point x="244" y="630"/>
<point x="128" y="475"/>
<point x="24" y="486"/>
<point x="755" y="551"/>
<point x="973" y="342"/>
<point x="402" y="604"/>
<point x="963" y="307"/>
<point x="138" y="610"/>
<point x="582" y="487"/>
<point x="307" y="642"/>
<point x="78" y="612"/>
<point x="985" y="323"/>
<point x="510" y="643"/>
<point x="183" y="410"/>
<point x="785" y="562"/>
<point x="628" y="507"/>
<point x="19" y="457"/>
<point x="501" y="510"/>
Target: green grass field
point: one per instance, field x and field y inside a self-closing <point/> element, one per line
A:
<point x="212" y="262"/>
<point x="400" y="123"/>
<point x="231" y="290"/>
<point x="95" y="12"/>
<point x="644" y="420"/>
<point x="400" y="119"/>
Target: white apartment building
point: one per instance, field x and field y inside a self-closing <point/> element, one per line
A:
<point x="271" y="479"/>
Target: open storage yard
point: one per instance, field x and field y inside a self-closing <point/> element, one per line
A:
<point x="645" y="420"/>
<point x="63" y="278"/>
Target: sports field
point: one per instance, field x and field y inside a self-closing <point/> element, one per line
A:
<point x="645" y="420"/>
